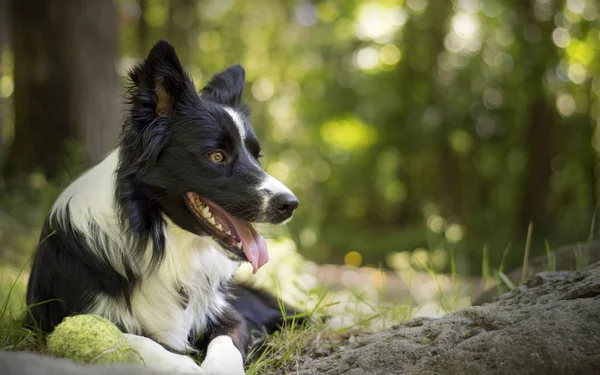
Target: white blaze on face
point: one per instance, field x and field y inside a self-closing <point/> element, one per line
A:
<point x="241" y="128"/>
<point x="270" y="186"/>
<point x="237" y="120"/>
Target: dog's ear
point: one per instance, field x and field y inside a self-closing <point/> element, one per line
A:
<point x="160" y="78"/>
<point x="226" y="87"/>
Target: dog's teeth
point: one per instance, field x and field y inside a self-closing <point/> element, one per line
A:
<point x="212" y="220"/>
<point x="239" y="245"/>
<point x="206" y="212"/>
<point x="219" y="227"/>
<point x="229" y="233"/>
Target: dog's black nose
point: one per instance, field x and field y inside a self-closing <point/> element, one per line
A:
<point x="285" y="203"/>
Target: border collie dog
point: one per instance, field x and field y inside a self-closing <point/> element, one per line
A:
<point x="151" y="236"/>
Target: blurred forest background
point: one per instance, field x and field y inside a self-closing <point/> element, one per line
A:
<point x="435" y="129"/>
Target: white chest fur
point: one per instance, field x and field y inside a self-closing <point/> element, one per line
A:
<point x="177" y="299"/>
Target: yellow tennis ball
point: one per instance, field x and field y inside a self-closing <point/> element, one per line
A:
<point x="88" y="339"/>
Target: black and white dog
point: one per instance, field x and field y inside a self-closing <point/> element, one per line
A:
<point x="151" y="236"/>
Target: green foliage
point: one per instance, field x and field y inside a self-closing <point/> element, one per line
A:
<point x="13" y="334"/>
<point x="401" y="125"/>
<point x="382" y="115"/>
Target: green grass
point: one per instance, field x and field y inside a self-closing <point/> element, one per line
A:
<point x="14" y="309"/>
<point x="284" y="350"/>
<point x="353" y="312"/>
<point x="526" y="253"/>
<point x="499" y="275"/>
<point x="13" y="334"/>
<point x="586" y="250"/>
<point x="550" y="265"/>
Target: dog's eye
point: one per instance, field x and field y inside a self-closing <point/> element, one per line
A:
<point x="217" y="156"/>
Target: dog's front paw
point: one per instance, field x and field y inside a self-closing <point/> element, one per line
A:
<point x="220" y="368"/>
<point x="223" y="358"/>
<point x="184" y="365"/>
<point x="155" y="357"/>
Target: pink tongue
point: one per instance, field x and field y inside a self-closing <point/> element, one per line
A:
<point x="253" y="244"/>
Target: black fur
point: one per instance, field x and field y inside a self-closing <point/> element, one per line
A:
<point x="227" y="88"/>
<point x="66" y="275"/>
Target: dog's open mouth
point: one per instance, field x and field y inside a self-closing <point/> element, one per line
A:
<point x="236" y="236"/>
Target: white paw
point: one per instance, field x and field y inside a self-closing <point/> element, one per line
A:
<point x="156" y="357"/>
<point x="184" y="365"/>
<point x="223" y="358"/>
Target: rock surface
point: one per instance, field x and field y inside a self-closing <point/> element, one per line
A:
<point x="550" y="325"/>
<point x="22" y="363"/>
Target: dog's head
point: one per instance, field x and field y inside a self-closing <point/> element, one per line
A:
<point x="195" y="157"/>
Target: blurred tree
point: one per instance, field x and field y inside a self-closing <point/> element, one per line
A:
<point x="541" y="117"/>
<point x="66" y="86"/>
<point x="143" y="28"/>
<point x="182" y="27"/>
<point x="444" y="126"/>
<point x="4" y="46"/>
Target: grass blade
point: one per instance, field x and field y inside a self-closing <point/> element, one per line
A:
<point x="550" y="257"/>
<point x="506" y="281"/>
<point x="526" y="256"/>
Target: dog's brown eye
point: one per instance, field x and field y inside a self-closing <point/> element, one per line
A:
<point x="217" y="156"/>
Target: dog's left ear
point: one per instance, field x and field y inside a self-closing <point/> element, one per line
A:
<point x="161" y="78"/>
<point x="226" y="87"/>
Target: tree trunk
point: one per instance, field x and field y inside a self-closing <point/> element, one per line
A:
<point x="536" y="186"/>
<point x="94" y="87"/>
<point x="182" y="27"/>
<point x="541" y="122"/>
<point x="40" y="90"/>
<point x="4" y="45"/>
<point x="66" y="86"/>
<point x="143" y="29"/>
